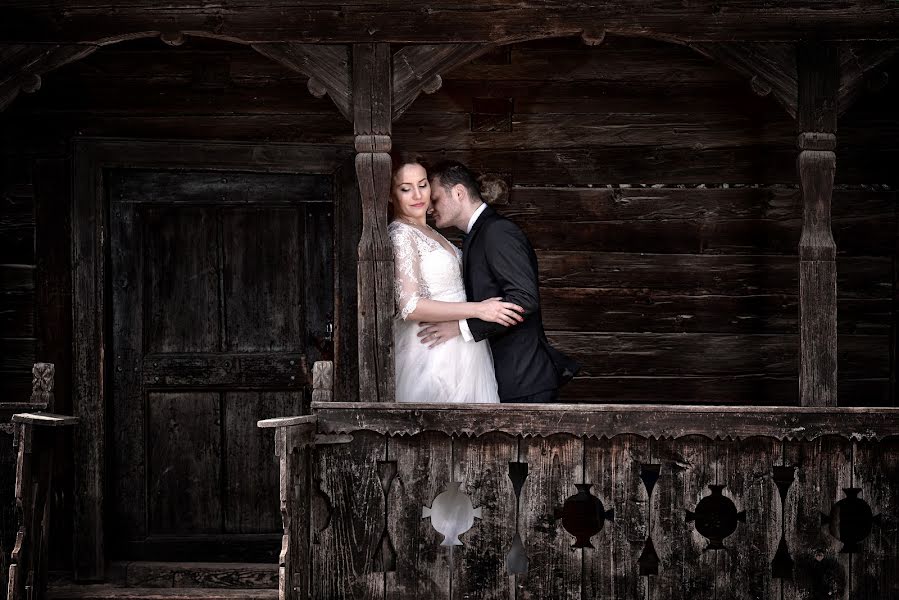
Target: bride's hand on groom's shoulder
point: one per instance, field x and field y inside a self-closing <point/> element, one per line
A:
<point x="434" y="334"/>
<point x="495" y="310"/>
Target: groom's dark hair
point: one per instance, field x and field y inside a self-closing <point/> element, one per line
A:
<point x="452" y="173"/>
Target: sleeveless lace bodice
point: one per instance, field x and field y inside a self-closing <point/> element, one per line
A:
<point x="424" y="269"/>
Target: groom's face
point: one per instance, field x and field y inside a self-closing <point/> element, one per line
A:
<point x="445" y="204"/>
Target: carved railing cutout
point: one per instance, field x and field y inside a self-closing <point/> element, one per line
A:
<point x="782" y="565"/>
<point x="517" y="557"/>
<point x="850" y="520"/>
<point x="321" y="510"/>
<point x="451" y="514"/>
<point x="385" y="556"/>
<point x="648" y="562"/>
<point x="716" y="517"/>
<point x="583" y="515"/>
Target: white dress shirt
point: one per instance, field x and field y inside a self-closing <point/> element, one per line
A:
<point x="463" y="323"/>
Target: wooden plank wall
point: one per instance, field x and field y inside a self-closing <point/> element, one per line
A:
<point x="660" y="192"/>
<point x="662" y="197"/>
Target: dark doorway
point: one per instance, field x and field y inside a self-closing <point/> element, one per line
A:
<point x="221" y="292"/>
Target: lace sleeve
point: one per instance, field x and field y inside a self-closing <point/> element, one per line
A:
<point x="409" y="287"/>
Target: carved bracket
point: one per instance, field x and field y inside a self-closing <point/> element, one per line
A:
<point x="859" y="71"/>
<point x="327" y="66"/>
<point x="418" y="69"/>
<point x="23" y="65"/>
<point x="770" y="67"/>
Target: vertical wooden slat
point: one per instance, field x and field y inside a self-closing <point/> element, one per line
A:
<point x="372" y="126"/>
<point x="319" y="275"/>
<point x="745" y="469"/>
<point x="482" y="466"/>
<point x="348" y="229"/>
<point x="818" y="73"/>
<point x="53" y="313"/>
<point x="823" y="471"/>
<point x="423" y="470"/>
<point x="555" y="465"/>
<point x="613" y="467"/>
<point x="251" y="483"/>
<point x="343" y="561"/>
<point x="88" y="398"/>
<point x="875" y="567"/>
<point x="294" y="577"/>
<point x="128" y="435"/>
<point x="52" y="281"/>
<point x="686" y="568"/>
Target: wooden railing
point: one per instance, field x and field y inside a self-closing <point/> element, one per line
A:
<point x="598" y="501"/>
<point x="35" y="437"/>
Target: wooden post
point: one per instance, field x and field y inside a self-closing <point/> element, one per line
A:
<point x="323" y="381"/>
<point x="372" y="126"/>
<point x="293" y="437"/>
<point x="36" y="441"/>
<point x="819" y="76"/>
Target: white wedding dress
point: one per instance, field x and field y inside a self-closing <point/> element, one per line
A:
<point x="456" y="371"/>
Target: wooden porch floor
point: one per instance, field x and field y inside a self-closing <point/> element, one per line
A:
<point x="176" y="580"/>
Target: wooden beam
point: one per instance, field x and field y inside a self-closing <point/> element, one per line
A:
<point x="818" y="69"/>
<point x="656" y="421"/>
<point x="418" y="68"/>
<point x="22" y="66"/>
<point x="327" y="66"/>
<point x="770" y="67"/>
<point x="422" y="21"/>
<point x="859" y="62"/>
<point x="372" y="117"/>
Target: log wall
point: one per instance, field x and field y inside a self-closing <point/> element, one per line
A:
<point x="661" y="194"/>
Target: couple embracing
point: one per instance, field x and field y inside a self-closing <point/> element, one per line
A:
<point x="469" y="328"/>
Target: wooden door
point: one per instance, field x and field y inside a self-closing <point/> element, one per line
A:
<point x="222" y="292"/>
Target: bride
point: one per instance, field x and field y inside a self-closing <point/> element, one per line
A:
<point x="428" y="271"/>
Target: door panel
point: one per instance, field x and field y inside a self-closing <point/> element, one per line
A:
<point x="222" y="290"/>
<point x="184" y="473"/>
<point x="263" y="255"/>
<point x="182" y="268"/>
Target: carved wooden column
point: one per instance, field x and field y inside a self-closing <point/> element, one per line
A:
<point x="372" y="117"/>
<point x="818" y="74"/>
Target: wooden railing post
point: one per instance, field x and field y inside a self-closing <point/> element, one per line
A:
<point x="372" y="117"/>
<point x="35" y="440"/>
<point x="293" y="438"/>
<point x="818" y="73"/>
<point x="323" y="381"/>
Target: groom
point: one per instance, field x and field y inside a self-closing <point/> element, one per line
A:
<point x="497" y="261"/>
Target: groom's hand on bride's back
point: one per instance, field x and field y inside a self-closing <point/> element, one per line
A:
<point x="434" y="334"/>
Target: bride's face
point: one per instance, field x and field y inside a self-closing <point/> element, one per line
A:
<point x="411" y="192"/>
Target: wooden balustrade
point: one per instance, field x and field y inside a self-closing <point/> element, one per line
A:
<point x="611" y="501"/>
<point x="35" y="437"/>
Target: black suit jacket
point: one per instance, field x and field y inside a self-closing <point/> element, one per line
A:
<point x="498" y="261"/>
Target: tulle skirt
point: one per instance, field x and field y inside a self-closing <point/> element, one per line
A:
<point x="456" y="371"/>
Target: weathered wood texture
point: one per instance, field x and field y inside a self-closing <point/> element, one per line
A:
<point x="209" y="330"/>
<point x="603" y="513"/>
<point x="819" y="80"/>
<point x="609" y="420"/>
<point x="372" y="121"/>
<point x="423" y="22"/>
<point x="36" y="445"/>
<point x="700" y="259"/>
